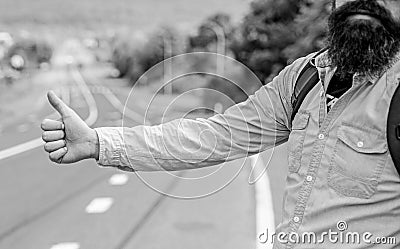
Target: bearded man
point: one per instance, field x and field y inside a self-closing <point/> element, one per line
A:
<point x="342" y="184"/>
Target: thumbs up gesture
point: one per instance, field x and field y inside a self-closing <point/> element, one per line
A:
<point x="69" y="140"/>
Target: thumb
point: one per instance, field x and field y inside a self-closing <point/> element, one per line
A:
<point x="58" y="104"/>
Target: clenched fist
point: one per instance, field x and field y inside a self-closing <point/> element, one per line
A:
<point x="69" y="140"/>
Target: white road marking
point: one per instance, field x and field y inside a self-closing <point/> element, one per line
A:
<point x="118" y="179"/>
<point x="66" y="245"/>
<point x="99" y="205"/>
<point x="35" y="143"/>
<point x="15" y="150"/>
<point x="88" y="96"/>
<point x="265" y="218"/>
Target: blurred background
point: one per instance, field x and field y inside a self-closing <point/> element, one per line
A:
<point x="97" y="55"/>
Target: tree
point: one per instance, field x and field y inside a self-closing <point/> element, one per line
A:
<point x="311" y="22"/>
<point x="133" y="56"/>
<point x="276" y="32"/>
<point x="208" y="32"/>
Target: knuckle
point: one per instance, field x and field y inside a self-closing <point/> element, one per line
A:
<point x="45" y="123"/>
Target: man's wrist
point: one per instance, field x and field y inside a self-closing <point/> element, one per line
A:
<point x="94" y="145"/>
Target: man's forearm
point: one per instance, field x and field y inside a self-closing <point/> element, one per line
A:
<point x="178" y="145"/>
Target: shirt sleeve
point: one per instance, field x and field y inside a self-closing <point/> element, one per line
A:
<point x="257" y="124"/>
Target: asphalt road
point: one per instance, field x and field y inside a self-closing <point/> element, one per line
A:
<point x="44" y="205"/>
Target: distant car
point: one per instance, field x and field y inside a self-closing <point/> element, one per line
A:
<point x="28" y="54"/>
<point x="17" y="62"/>
<point x="20" y="56"/>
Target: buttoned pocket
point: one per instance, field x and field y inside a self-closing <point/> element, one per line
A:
<point x="296" y="140"/>
<point x="357" y="164"/>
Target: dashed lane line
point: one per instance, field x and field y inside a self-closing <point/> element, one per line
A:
<point x="54" y="206"/>
<point x="99" y="205"/>
<point x="66" y="245"/>
<point x="118" y="179"/>
<point x="131" y="233"/>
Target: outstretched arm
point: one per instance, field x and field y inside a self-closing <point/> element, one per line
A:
<point x="257" y="124"/>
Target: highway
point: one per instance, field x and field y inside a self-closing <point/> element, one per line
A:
<point x="44" y="205"/>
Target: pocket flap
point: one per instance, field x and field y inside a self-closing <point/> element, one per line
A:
<point x="363" y="140"/>
<point x="300" y="121"/>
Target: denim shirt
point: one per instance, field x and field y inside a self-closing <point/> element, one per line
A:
<point x="341" y="176"/>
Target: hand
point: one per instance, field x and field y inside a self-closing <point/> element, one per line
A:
<point x="69" y="140"/>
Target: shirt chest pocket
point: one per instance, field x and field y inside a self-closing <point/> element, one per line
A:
<point x="296" y="140"/>
<point x="358" y="161"/>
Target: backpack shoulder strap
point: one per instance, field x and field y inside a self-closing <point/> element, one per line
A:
<point x="306" y="81"/>
<point x="393" y="129"/>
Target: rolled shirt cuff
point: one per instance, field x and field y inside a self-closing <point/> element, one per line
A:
<point x="110" y="146"/>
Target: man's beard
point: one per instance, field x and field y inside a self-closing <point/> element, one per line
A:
<point x="362" y="46"/>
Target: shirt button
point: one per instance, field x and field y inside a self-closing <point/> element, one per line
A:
<point x="309" y="178"/>
<point x="296" y="219"/>
<point x="360" y="144"/>
<point x="321" y="136"/>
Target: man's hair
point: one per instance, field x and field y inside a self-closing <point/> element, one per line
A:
<point x="333" y="4"/>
